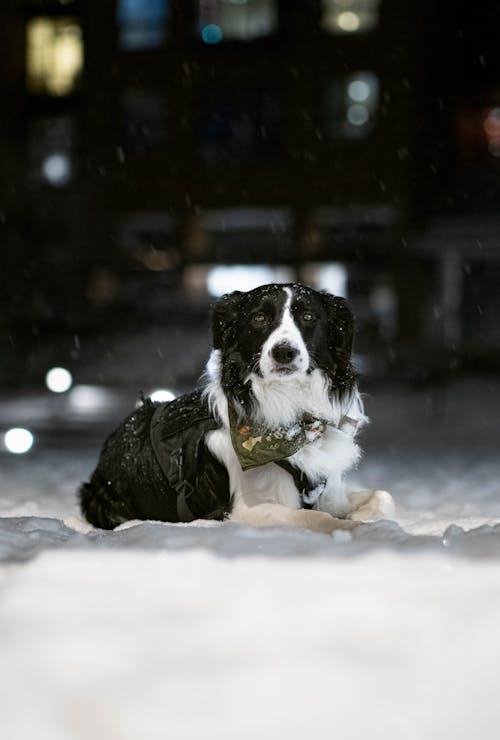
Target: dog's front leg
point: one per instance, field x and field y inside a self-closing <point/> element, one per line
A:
<point x="334" y="499"/>
<point x="269" y="515"/>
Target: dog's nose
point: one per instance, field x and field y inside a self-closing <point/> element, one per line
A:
<point x="284" y="353"/>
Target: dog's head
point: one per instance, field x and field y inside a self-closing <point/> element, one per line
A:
<point x="279" y="332"/>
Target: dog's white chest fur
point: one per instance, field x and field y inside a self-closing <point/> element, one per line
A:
<point x="282" y="403"/>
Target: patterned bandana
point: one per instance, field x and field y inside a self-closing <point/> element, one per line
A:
<point x="256" y="444"/>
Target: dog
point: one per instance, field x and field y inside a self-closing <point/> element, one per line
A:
<point x="267" y="439"/>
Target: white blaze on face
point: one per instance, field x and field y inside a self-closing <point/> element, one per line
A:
<point x="286" y="333"/>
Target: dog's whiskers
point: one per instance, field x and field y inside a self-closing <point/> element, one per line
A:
<point x="254" y="362"/>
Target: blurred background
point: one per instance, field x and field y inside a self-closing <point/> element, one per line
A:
<point x="156" y="154"/>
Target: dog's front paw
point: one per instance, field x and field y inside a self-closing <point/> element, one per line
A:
<point x="369" y="506"/>
<point x="320" y="521"/>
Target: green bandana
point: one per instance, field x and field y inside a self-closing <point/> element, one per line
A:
<point x="256" y="444"/>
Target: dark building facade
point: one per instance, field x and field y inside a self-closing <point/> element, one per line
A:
<point x="352" y="144"/>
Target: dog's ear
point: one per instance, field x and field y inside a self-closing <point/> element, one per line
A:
<point x="340" y="338"/>
<point x="224" y="315"/>
<point x="340" y="327"/>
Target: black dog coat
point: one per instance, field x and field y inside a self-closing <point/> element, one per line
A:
<point x="156" y="466"/>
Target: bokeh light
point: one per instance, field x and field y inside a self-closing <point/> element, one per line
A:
<point x="54" y="55"/>
<point x="492" y="130"/>
<point x="59" y="380"/>
<point x="161" y="395"/>
<point x="224" y="279"/>
<point x="212" y="33"/>
<point x="56" y="168"/>
<point x="18" y="440"/>
<point x="359" y="90"/>
<point x="358" y="115"/>
<point x="89" y="399"/>
<point x="348" y="21"/>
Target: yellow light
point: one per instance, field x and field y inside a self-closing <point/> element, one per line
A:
<point x="348" y="21"/>
<point x="54" y="55"/>
<point x="350" y="16"/>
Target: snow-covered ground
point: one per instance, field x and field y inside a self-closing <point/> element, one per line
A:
<point x="222" y="631"/>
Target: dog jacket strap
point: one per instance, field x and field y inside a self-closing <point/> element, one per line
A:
<point x="170" y="464"/>
<point x="177" y="434"/>
<point x="309" y="492"/>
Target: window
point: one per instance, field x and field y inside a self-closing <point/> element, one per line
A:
<point x="51" y="149"/>
<point x="329" y="276"/>
<point x="350" y="106"/>
<point x="220" y="279"/>
<point x="143" y="121"/>
<point x="491" y="127"/>
<point x="242" y="234"/>
<point x="142" y="23"/>
<point x="350" y="16"/>
<point x="54" y="55"/>
<point x="236" y="20"/>
<point x="239" y="127"/>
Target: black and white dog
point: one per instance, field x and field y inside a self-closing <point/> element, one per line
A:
<point x="266" y="441"/>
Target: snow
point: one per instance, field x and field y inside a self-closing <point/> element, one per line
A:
<point x="130" y="645"/>
<point x="219" y="630"/>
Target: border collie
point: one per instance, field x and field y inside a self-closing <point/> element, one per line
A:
<point x="268" y="438"/>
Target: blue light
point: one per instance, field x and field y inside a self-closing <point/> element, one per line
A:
<point x="211" y="34"/>
<point x="129" y="11"/>
<point x="142" y="23"/>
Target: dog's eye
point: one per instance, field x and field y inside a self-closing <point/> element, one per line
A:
<point x="259" y="318"/>
<point x="308" y="316"/>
